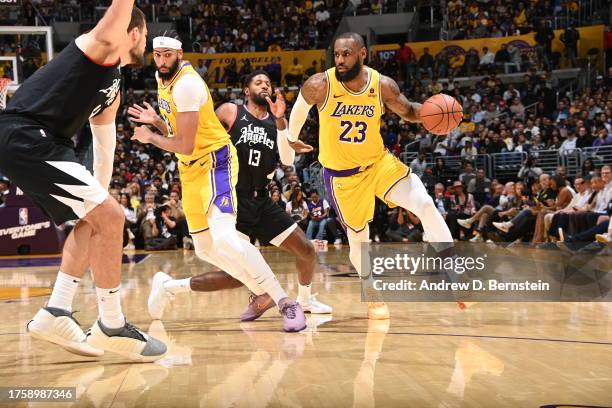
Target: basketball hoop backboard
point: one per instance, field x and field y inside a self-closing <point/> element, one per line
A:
<point x="11" y="62"/>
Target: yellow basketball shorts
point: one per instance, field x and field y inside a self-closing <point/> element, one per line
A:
<point x="209" y="180"/>
<point x="352" y="193"/>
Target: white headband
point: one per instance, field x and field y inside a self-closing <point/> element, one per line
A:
<point x="167" y="42"/>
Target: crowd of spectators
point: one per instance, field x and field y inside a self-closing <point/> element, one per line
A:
<point x="499" y="18"/>
<point x="220" y="26"/>
<point x="248" y="25"/>
<point x="500" y="118"/>
<point x="449" y="63"/>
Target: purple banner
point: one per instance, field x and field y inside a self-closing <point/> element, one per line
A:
<point x="25" y="229"/>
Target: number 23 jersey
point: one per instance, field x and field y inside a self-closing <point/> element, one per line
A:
<point x="349" y="124"/>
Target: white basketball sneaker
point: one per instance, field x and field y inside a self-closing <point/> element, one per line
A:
<point x="503" y="226"/>
<point x="60" y="327"/>
<point x="159" y="296"/>
<point x="312" y="305"/>
<point x="465" y="223"/>
<point x="127" y="341"/>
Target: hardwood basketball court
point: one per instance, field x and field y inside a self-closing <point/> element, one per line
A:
<point x="427" y="355"/>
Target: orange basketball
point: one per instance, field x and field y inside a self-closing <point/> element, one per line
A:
<point x="441" y="113"/>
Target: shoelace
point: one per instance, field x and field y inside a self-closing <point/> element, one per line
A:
<point x="290" y="310"/>
<point x="74" y="318"/>
<point x="132" y="329"/>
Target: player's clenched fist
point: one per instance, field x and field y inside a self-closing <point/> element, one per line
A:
<point x="143" y="134"/>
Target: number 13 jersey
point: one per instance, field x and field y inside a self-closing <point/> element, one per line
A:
<point x="255" y="141"/>
<point x="349" y="124"/>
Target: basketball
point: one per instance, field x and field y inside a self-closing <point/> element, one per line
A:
<point x="441" y="113"/>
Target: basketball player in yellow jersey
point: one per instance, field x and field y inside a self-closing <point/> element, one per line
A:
<point x="208" y="168"/>
<point x="351" y="98"/>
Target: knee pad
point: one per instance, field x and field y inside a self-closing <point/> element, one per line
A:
<point x="221" y="224"/>
<point x="209" y="249"/>
<point x="206" y="251"/>
<point x="224" y="234"/>
<point x="229" y="244"/>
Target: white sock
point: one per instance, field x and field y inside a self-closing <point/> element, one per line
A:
<point x="109" y="307"/>
<point x="304" y="293"/>
<point x="63" y="291"/>
<point x="175" y="286"/>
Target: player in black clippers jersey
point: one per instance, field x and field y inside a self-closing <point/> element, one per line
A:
<point x="260" y="136"/>
<point x="36" y="152"/>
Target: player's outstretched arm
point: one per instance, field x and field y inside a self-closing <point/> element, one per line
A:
<point x="312" y="92"/>
<point x="103" y="42"/>
<point x="395" y="101"/>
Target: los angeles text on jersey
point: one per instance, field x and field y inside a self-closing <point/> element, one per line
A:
<point x="252" y="134"/>
<point x="342" y="109"/>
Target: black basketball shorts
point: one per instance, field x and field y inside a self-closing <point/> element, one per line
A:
<point x="261" y="218"/>
<point x="47" y="170"/>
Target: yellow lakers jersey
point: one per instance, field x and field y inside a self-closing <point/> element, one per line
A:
<point x="211" y="135"/>
<point x="349" y="124"/>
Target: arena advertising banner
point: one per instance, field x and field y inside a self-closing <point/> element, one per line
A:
<point x="25" y="229"/>
<point x="590" y="37"/>
<point x="216" y="63"/>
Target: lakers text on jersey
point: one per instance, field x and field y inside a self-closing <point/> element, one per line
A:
<point x="357" y="167"/>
